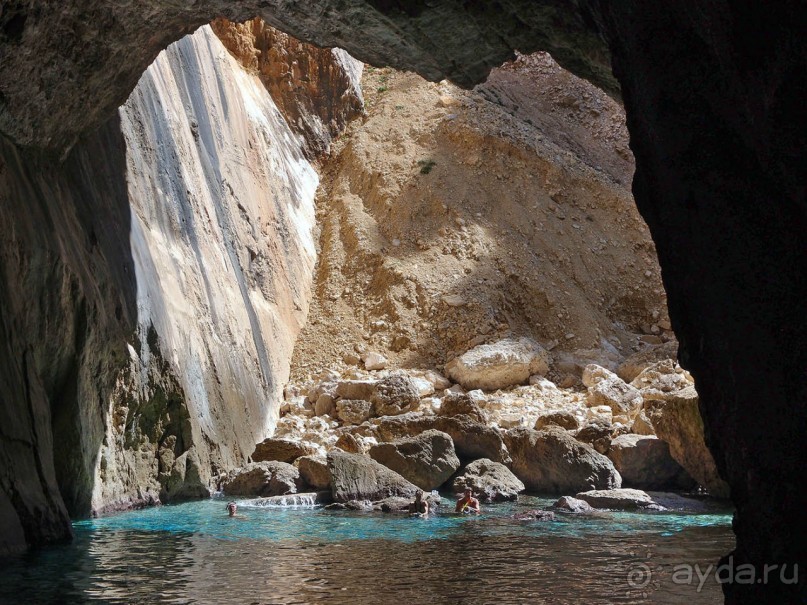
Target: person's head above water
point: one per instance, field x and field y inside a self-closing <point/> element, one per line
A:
<point x="231" y="508"/>
<point x="469" y="492"/>
<point x="418" y="496"/>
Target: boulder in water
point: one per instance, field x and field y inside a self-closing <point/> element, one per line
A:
<point x="645" y="463"/>
<point x="553" y="461"/>
<point x="314" y="472"/>
<point x="427" y="460"/>
<point x="619" y="499"/>
<point x="572" y="505"/>
<point x="262" y="479"/>
<point x="356" y="477"/>
<point x="490" y="481"/>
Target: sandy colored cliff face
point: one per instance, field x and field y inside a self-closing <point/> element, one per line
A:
<point x="450" y="218"/>
<point x="222" y="203"/>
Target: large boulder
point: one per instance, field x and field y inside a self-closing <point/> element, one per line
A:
<point x="353" y="411"/>
<point x="427" y="460"/>
<point x="357" y="477"/>
<point x="606" y="388"/>
<point x="499" y="365"/>
<point x="491" y="481"/>
<point x="553" y="461"/>
<point x="599" y="435"/>
<point x="619" y="499"/>
<point x="676" y="419"/>
<point x="472" y="439"/>
<point x="394" y="394"/>
<point x="262" y="479"/>
<point x="456" y="404"/>
<point x="645" y="463"/>
<point x="314" y="472"/>
<point x="281" y="450"/>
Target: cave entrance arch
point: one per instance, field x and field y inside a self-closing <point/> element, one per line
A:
<point x="713" y="96"/>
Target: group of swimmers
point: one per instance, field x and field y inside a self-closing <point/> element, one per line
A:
<point x="466" y="504"/>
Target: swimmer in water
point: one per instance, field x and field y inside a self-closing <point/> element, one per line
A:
<point x="419" y="507"/>
<point x="232" y="507"/>
<point x="468" y="504"/>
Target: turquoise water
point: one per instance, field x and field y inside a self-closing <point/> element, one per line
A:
<point x="195" y="553"/>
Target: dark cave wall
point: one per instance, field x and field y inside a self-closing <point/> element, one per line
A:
<point x="65" y="271"/>
<point x="718" y="136"/>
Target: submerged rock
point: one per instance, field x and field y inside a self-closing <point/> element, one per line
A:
<point x="427" y="460"/>
<point x="535" y="515"/>
<point x="502" y="364"/>
<point x="490" y="481"/>
<point x="572" y="505"/>
<point x="262" y="479"/>
<point x="553" y="461"/>
<point x="356" y="477"/>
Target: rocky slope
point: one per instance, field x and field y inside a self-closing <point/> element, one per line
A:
<point x="450" y="218"/>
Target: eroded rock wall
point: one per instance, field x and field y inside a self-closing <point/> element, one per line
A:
<point x="153" y="285"/>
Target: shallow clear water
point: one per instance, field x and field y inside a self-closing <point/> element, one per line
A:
<point x="194" y="553"/>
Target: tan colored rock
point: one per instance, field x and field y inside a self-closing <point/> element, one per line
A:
<point x="564" y="420"/>
<point x="619" y="499"/>
<point x="348" y="443"/>
<point x="677" y="420"/>
<point x="499" y="365"/>
<point x="353" y="411"/>
<point x="664" y="376"/>
<point x="572" y="505"/>
<point x="472" y="440"/>
<point x="553" y="461"/>
<point x="374" y="361"/>
<point x="394" y="394"/>
<point x="456" y="405"/>
<point x="314" y="472"/>
<point x="606" y="388"/>
<point x="490" y="481"/>
<point x="427" y="460"/>
<point x="282" y="450"/>
<point x="633" y="365"/>
<point x="645" y="463"/>
<point x="325" y="405"/>
<point x="262" y="479"/>
<point x="356" y="389"/>
<point x="357" y="477"/>
<point x="642" y="425"/>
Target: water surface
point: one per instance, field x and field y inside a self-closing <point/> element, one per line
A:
<point x="194" y="553"/>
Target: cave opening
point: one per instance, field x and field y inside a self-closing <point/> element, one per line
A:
<point x="717" y="137"/>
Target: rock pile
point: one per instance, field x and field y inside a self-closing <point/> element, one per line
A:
<point x="371" y="435"/>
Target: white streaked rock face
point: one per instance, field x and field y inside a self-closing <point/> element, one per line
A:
<point x="222" y="203"/>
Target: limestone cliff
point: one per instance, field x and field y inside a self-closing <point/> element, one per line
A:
<point x="152" y="288"/>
